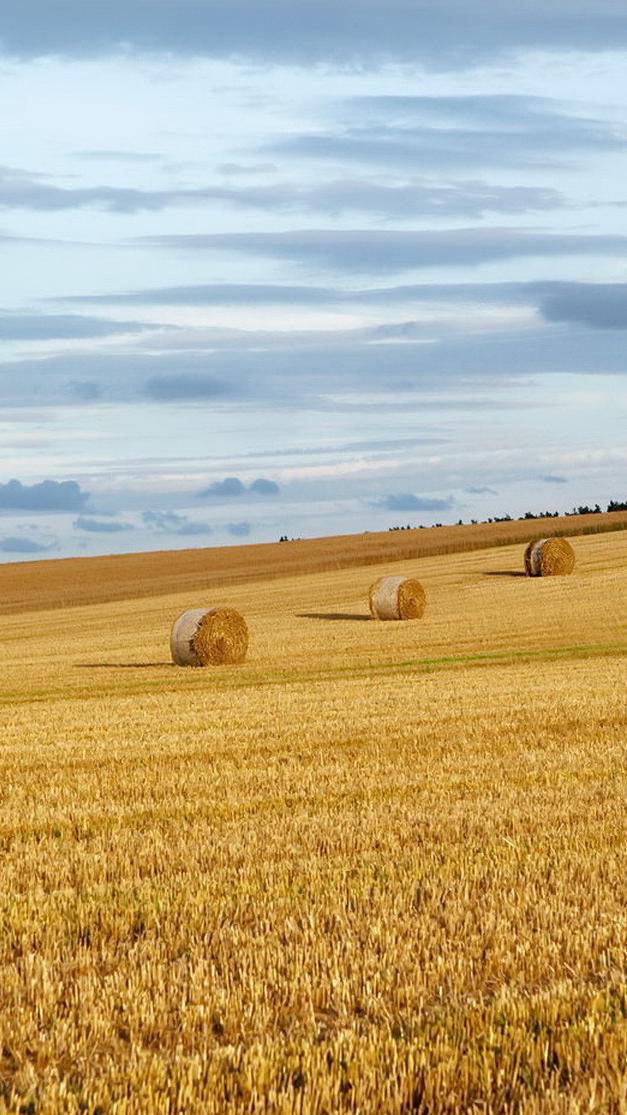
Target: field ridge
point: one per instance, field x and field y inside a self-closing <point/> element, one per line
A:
<point x="70" y="582"/>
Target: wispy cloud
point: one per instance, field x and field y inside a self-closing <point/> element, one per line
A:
<point x="413" y="197"/>
<point x="115" y="156"/>
<point x="454" y="133"/>
<point x="66" y="327"/>
<point x="373" y="251"/>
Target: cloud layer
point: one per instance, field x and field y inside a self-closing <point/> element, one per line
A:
<point x="365" y="30"/>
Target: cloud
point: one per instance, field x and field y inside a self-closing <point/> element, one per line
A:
<point x="232" y="488"/>
<point x="100" y="526"/>
<point x="170" y="522"/>
<point x="601" y="305"/>
<point x="551" y="479"/>
<point x="181" y="387"/>
<point x="22" y="190"/>
<point x="480" y="490"/>
<point x="264" y="487"/>
<point x="49" y="495"/>
<point x="218" y="294"/>
<point x="115" y="156"/>
<point x="282" y="294"/>
<point x="237" y="169"/>
<point x="228" y="488"/>
<point x="239" y="530"/>
<point x="305" y="372"/>
<point x="376" y="250"/>
<point x="17" y="545"/>
<point x="50" y="327"/>
<point x="405" y="501"/>
<point x="427" y="32"/>
<point x="424" y="199"/>
<point x="453" y="132"/>
<point x="411" y="198"/>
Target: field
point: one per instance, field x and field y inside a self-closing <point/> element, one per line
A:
<point x="379" y="868"/>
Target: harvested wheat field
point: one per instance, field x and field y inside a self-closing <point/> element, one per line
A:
<point x="376" y="868"/>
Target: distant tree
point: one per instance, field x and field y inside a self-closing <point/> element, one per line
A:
<point x="585" y="510"/>
<point x="617" y="505"/>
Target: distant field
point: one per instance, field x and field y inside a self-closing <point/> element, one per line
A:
<point x="379" y="868"/>
<point x="30" y="586"/>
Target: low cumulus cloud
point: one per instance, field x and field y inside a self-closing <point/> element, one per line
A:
<point x="170" y="522"/>
<point x="49" y="495"/>
<point x="239" y="530"/>
<point x="264" y="487"/>
<point x="232" y="488"/>
<point x="15" y="544"/>
<point x="426" y="32"/>
<point x="407" y="501"/>
<point x="100" y="526"/>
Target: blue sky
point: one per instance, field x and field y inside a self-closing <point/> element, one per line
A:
<point x="305" y="270"/>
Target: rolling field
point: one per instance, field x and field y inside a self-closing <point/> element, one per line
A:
<point x="377" y="868"/>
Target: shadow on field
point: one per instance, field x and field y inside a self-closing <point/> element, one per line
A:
<point x="121" y="665"/>
<point x="335" y="615"/>
<point x="504" y="573"/>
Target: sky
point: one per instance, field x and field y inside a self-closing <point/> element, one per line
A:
<point x="307" y="268"/>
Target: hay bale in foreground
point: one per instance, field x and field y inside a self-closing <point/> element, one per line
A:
<point x="549" y="557"/>
<point x="397" y="598"/>
<point x="209" y="637"/>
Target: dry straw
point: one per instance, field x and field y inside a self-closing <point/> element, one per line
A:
<point x="209" y="637"/>
<point x="397" y="598"/>
<point x="549" y="557"/>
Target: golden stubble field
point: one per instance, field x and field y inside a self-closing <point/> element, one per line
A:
<point x="377" y="868"/>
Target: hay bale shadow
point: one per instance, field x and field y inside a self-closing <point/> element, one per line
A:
<point x="122" y="665"/>
<point x="504" y="573"/>
<point x="349" y="616"/>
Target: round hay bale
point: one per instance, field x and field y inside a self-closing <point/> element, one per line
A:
<point x="397" y="598"/>
<point x="209" y="637"/>
<point x="549" y="557"/>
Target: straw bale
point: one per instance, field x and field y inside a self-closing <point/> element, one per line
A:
<point x="549" y="557"/>
<point x="209" y="637"/>
<point x="397" y="598"/>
